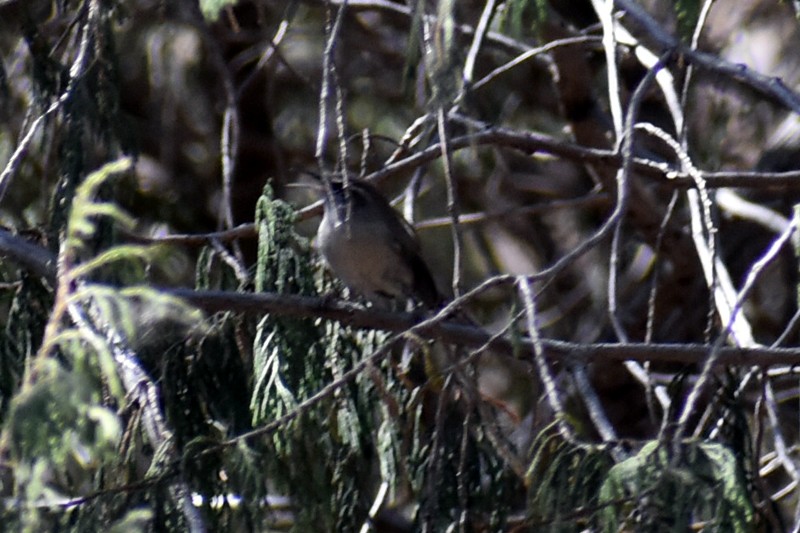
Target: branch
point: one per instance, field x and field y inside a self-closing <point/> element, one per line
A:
<point x="771" y="87"/>
<point x="31" y="256"/>
<point x="472" y="336"/>
<point x="43" y="263"/>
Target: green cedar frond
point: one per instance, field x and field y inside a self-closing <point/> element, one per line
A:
<point x="700" y="482"/>
<point x="126" y="252"/>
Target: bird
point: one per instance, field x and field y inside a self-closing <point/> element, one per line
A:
<point x="371" y="247"/>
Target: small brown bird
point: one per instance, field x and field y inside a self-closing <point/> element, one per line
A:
<point x="371" y="247"/>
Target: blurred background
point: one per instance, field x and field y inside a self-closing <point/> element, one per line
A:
<point x="215" y="101"/>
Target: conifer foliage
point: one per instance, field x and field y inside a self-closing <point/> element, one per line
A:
<point x="606" y="191"/>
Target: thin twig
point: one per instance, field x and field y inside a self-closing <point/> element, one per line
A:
<point x="714" y="353"/>
<point x="76" y="72"/>
<point x="604" y="10"/>
<point x="771" y="87"/>
<point x="551" y="391"/>
<point x="477" y="40"/>
<point x="332" y="27"/>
